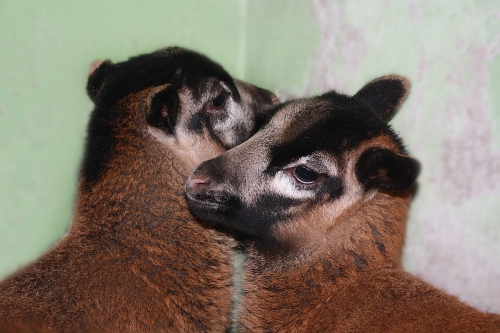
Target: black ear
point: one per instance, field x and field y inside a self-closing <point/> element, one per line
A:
<point x="98" y="72"/>
<point x="387" y="170"/>
<point x="385" y="94"/>
<point x="163" y="107"/>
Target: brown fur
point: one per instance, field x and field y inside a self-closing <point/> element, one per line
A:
<point x="354" y="283"/>
<point x="134" y="259"/>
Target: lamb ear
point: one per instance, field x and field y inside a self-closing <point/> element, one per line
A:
<point x="98" y="72"/>
<point x="163" y="106"/>
<point x="387" y="170"/>
<point x="385" y="94"/>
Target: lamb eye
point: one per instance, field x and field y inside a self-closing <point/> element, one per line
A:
<point x="305" y="175"/>
<point x="219" y="102"/>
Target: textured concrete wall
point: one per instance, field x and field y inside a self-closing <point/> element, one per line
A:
<point x="451" y="121"/>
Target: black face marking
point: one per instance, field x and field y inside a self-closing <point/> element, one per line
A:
<point x="112" y="82"/>
<point x="332" y="188"/>
<point x="348" y="124"/>
<point x="255" y="220"/>
<point x="268" y="210"/>
<point x="198" y="121"/>
<point x="258" y="218"/>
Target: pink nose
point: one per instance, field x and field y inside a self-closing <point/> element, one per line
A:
<point x="197" y="182"/>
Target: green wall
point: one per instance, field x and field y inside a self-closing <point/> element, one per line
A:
<point x="47" y="48"/>
<point x="449" y="49"/>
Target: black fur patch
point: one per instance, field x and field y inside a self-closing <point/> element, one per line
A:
<point x="382" y="168"/>
<point x="171" y="65"/>
<point x="200" y="121"/>
<point x="348" y="123"/>
<point x="269" y="209"/>
<point x="332" y="188"/>
<point x="255" y="220"/>
<point x="111" y="83"/>
<point x="101" y="140"/>
<point x="197" y="122"/>
<point x="384" y="95"/>
<point x="96" y="79"/>
<point x="164" y="110"/>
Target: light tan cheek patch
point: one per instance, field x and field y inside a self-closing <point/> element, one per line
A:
<point x="308" y="233"/>
<point x="190" y="149"/>
<point x="317" y="220"/>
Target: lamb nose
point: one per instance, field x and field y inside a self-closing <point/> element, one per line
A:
<point x="198" y="182"/>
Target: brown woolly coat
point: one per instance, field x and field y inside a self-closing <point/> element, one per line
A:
<point x="352" y="281"/>
<point x="134" y="259"/>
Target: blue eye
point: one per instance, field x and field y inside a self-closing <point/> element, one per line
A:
<point x="305" y="175"/>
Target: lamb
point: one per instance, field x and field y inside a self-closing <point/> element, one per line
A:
<point x="321" y="193"/>
<point x="135" y="259"/>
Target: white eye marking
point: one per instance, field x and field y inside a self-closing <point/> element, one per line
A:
<point x="286" y="185"/>
<point x="317" y="162"/>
